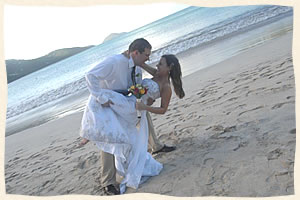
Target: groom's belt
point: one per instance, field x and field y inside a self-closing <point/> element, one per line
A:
<point x="124" y="92"/>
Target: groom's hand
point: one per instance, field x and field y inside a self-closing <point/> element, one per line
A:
<point x="107" y="104"/>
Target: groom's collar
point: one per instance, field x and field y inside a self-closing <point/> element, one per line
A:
<point x="130" y="63"/>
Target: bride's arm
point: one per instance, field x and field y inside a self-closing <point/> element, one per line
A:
<point x="165" y="100"/>
<point x="149" y="69"/>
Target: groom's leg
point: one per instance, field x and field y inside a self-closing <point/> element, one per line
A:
<point x="108" y="169"/>
<point x="153" y="143"/>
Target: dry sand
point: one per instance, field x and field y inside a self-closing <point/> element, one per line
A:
<point x="235" y="133"/>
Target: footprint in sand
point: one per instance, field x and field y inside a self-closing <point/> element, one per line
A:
<point x="216" y="128"/>
<point x="275" y="154"/>
<point x="282" y="177"/>
<point x="240" y="145"/>
<point x="230" y="80"/>
<point x="34" y="155"/>
<point x="237" y="89"/>
<point x="166" y="188"/>
<point x="227" y="175"/>
<point x="256" y="91"/>
<point x="279" y="105"/>
<point x="240" y="106"/>
<point x="82" y="164"/>
<point x="243" y="79"/>
<point x="188" y="130"/>
<point x="270" y="178"/>
<point x="209" y="178"/>
<point x="232" y="99"/>
<point x="230" y="129"/>
<point x="192" y="115"/>
<point x="290" y="189"/>
<point x="186" y="105"/>
<point x="256" y="108"/>
<point x="261" y="68"/>
<point x="20" y="151"/>
<point x="275" y="75"/>
<point x="198" y="93"/>
<point x="208" y="161"/>
<point x="282" y="88"/>
<point x="266" y="73"/>
<point x="293" y="131"/>
<point x="288" y="97"/>
<point x="292" y="77"/>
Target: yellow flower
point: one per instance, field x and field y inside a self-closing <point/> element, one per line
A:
<point x="142" y="91"/>
<point x="132" y="87"/>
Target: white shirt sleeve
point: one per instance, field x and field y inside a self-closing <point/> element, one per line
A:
<point x="102" y="71"/>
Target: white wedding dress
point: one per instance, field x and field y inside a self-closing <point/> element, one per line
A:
<point x="114" y="131"/>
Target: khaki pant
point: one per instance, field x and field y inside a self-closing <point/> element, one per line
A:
<point x="108" y="170"/>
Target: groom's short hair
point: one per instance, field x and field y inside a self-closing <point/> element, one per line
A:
<point x="139" y="44"/>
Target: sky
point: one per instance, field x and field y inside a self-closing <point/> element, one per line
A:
<point x="31" y="32"/>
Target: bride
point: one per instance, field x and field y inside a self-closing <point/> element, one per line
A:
<point x="117" y="132"/>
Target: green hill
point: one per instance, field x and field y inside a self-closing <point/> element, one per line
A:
<point x="18" y="68"/>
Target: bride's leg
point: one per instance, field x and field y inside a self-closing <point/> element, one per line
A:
<point x="153" y="142"/>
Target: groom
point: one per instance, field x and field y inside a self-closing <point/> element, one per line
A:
<point x="120" y="73"/>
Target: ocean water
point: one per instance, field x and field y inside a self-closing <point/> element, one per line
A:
<point x="176" y="33"/>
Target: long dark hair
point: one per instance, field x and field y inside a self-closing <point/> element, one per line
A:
<point x="175" y="74"/>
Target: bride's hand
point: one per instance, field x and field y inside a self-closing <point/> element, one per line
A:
<point x="126" y="53"/>
<point x="140" y="106"/>
<point x="150" y="101"/>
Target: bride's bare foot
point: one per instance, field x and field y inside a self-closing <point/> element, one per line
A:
<point x="83" y="142"/>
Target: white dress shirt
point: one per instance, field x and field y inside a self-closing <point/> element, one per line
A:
<point x="113" y="73"/>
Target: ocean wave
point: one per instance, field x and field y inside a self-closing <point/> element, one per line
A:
<point x="219" y="30"/>
<point x="47" y="97"/>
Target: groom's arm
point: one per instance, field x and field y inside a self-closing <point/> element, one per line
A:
<point x="102" y="71"/>
<point x="149" y="69"/>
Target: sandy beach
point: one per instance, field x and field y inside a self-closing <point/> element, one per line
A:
<point x="235" y="133"/>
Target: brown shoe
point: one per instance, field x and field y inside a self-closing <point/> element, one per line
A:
<point x="111" y="190"/>
<point x="165" y="149"/>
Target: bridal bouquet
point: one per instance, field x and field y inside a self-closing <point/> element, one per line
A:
<point x="138" y="91"/>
